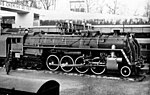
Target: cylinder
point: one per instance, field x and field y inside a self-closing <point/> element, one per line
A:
<point x="119" y="59"/>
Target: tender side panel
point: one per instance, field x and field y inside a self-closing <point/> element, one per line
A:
<point x="3" y="46"/>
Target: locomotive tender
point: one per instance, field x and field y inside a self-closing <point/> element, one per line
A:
<point x="83" y="51"/>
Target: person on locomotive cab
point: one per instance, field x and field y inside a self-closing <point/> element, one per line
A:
<point x="26" y="31"/>
<point x="116" y="32"/>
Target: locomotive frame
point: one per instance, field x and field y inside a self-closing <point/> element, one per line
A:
<point x="82" y="51"/>
<point x="85" y="58"/>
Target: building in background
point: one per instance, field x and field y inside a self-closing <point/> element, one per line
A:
<point x="26" y="16"/>
<point x="18" y="15"/>
<point x="77" y="5"/>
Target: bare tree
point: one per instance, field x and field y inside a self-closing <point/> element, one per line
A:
<point x="48" y="3"/>
<point x="22" y="2"/>
<point x="147" y="9"/>
<point x="89" y="5"/>
<point x="113" y="8"/>
<point x="100" y="6"/>
<point x="136" y="12"/>
<point x="100" y="9"/>
<point x="30" y="3"/>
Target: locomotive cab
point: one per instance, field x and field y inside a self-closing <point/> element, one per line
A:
<point x="11" y="46"/>
<point x="89" y="50"/>
<point x="15" y="49"/>
<point x="16" y="46"/>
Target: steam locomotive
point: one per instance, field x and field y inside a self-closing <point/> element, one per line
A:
<point x="82" y="50"/>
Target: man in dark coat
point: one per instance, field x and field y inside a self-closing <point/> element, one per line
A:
<point x="8" y="61"/>
<point x="7" y="65"/>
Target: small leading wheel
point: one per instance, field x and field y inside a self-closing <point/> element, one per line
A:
<point x="125" y="71"/>
<point x="82" y="68"/>
<point x="98" y="69"/>
<point x="65" y="62"/>
<point x="52" y="62"/>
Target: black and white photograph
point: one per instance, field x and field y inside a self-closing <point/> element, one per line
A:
<point x="74" y="47"/>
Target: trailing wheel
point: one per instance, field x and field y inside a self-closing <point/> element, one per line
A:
<point x="52" y="62"/>
<point x="65" y="62"/>
<point x="125" y="71"/>
<point x="80" y="61"/>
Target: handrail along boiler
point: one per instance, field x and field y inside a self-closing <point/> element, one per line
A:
<point x="82" y="51"/>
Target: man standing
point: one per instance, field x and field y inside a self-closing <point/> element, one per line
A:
<point x="7" y="66"/>
<point x="8" y="63"/>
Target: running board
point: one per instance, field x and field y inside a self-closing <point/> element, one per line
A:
<point x="82" y="65"/>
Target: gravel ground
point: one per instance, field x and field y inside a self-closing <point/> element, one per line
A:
<point x="84" y="85"/>
<point x="111" y="87"/>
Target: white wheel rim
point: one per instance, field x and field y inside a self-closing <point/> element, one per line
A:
<point x="53" y="65"/>
<point x="63" y="65"/>
<point x="124" y="70"/>
<point x="98" y="70"/>
<point x="98" y="73"/>
<point x="78" y="68"/>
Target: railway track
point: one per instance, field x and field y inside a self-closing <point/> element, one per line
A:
<point x="112" y="76"/>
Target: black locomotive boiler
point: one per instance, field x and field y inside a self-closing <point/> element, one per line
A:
<point x="83" y="51"/>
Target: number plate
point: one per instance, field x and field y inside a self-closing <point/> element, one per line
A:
<point x="17" y="55"/>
